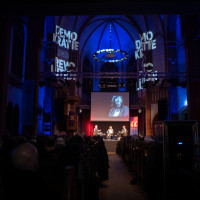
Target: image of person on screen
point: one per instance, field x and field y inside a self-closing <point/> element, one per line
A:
<point x="118" y="109"/>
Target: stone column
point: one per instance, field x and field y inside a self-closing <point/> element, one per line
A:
<point x="192" y="47"/>
<point x="148" y="112"/>
<point x="35" y="34"/>
<point x="5" y="39"/>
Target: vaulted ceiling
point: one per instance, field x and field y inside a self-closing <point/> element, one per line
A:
<point x="97" y="32"/>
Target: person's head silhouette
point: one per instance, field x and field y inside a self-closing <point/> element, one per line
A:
<point x="25" y="157"/>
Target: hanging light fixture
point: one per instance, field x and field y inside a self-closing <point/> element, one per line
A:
<point x="110" y="54"/>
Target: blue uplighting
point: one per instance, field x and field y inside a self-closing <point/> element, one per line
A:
<point x="41" y="98"/>
<point x="182" y="97"/>
<point x="180" y="143"/>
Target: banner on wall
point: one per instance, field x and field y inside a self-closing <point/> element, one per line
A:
<point x="134" y="125"/>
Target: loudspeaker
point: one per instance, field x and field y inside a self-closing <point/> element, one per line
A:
<point x="163" y="113"/>
<point x="179" y="141"/>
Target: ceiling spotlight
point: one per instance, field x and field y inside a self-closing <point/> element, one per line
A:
<point x="122" y="84"/>
<point x="102" y="84"/>
<point x="155" y="82"/>
<point x="145" y="84"/>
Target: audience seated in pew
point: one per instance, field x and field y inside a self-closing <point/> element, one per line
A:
<point x="23" y="181"/>
<point x="35" y="167"/>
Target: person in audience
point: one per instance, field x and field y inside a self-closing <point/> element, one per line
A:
<point x="101" y="159"/>
<point x="60" y="141"/>
<point x="141" y="136"/>
<point x="25" y="157"/>
<point x="60" y="152"/>
<point x="118" y="109"/>
<point x="23" y="181"/>
<point x="7" y="145"/>
<point x="75" y="147"/>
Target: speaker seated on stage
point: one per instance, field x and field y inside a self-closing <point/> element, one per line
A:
<point x="110" y="132"/>
<point x="96" y="131"/>
<point x="124" y="131"/>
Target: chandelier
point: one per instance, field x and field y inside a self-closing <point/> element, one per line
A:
<point x="110" y="55"/>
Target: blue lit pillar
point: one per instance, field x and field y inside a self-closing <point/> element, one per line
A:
<point x="173" y="64"/>
<point x="173" y="103"/>
<point x="181" y="65"/>
<point x="96" y="81"/>
<point x="48" y="110"/>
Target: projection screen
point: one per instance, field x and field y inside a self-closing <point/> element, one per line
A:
<point x="109" y="106"/>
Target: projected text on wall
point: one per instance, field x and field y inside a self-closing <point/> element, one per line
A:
<point x="146" y="43"/>
<point x="67" y="45"/>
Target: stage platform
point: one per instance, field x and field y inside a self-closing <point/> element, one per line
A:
<point x="110" y="145"/>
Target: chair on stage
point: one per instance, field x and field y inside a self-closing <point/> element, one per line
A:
<point x="110" y="135"/>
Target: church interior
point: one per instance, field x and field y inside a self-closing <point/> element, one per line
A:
<point x="89" y="87"/>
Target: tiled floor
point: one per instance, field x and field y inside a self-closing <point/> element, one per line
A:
<point x="118" y="186"/>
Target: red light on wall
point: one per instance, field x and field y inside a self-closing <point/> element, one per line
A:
<point x="134" y="122"/>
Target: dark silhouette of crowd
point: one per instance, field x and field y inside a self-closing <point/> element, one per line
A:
<point x="145" y="161"/>
<point x="58" y="167"/>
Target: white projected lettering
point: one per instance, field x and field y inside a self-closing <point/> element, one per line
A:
<point x="66" y="39"/>
<point x="145" y="43"/>
<point x="62" y="64"/>
<point x="151" y="77"/>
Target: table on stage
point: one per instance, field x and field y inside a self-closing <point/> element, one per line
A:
<point x="110" y="145"/>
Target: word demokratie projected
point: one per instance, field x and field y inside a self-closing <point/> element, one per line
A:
<point x="66" y="40"/>
<point x="145" y="43"/>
